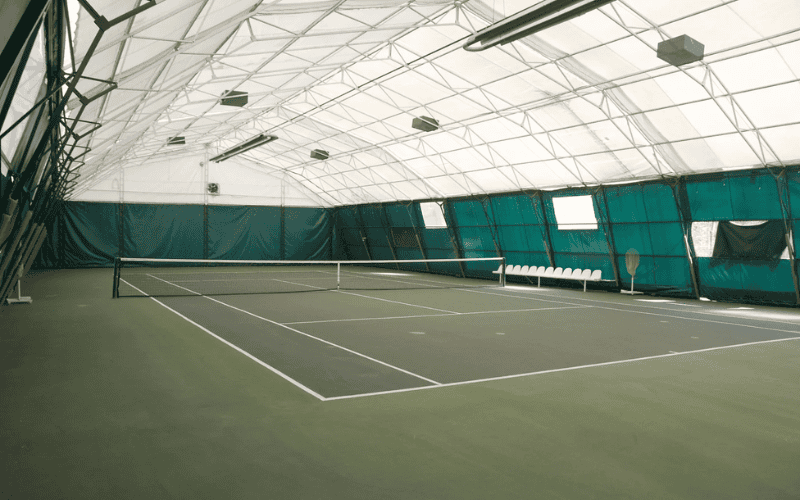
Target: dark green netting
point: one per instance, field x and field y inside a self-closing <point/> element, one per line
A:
<point x="246" y="233"/>
<point x="307" y="234"/>
<point x="645" y="218"/>
<point x="740" y="196"/>
<point x="348" y="244"/>
<point x="163" y="231"/>
<point x="520" y="231"/>
<point x="581" y="248"/>
<point x="90" y="234"/>
<point x="734" y="198"/>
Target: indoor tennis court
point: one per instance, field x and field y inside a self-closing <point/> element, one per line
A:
<point x="400" y="249"/>
<point x="394" y="331"/>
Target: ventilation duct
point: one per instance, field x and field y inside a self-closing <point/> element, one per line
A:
<point x="425" y="123"/>
<point x="255" y="142"/>
<point x="319" y="154"/>
<point x="680" y="50"/>
<point x="537" y="18"/>
<point x="234" y="98"/>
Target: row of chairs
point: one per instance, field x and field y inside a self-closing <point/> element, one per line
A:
<point x="584" y="275"/>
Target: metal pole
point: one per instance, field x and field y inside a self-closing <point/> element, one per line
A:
<point x="786" y="212"/>
<point x="678" y="191"/>
<point x="338" y="274"/>
<point x="547" y="243"/>
<point x="612" y="250"/>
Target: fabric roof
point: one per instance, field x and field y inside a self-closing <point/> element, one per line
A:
<point x="583" y="103"/>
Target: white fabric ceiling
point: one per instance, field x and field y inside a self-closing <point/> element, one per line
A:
<point x="583" y="103"/>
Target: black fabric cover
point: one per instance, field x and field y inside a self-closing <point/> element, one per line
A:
<point x="764" y="243"/>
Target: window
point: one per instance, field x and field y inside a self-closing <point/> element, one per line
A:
<point x="432" y="215"/>
<point x="574" y="212"/>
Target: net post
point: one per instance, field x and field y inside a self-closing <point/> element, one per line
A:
<point x="115" y="289"/>
<point x="503" y="273"/>
<point x="338" y="274"/>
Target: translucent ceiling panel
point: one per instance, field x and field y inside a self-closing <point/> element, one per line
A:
<point x="581" y="103"/>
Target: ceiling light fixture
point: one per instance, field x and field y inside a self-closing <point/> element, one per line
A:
<point x="425" y="123"/>
<point x="249" y="144"/>
<point x="680" y="50"/>
<point x="529" y="21"/>
<point x="319" y="154"/>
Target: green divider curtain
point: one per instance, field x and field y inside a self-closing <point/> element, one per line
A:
<point x="520" y="230"/>
<point x="244" y="233"/>
<point x="349" y="245"/>
<point x="476" y="232"/>
<point x="307" y="234"/>
<point x="578" y="248"/>
<point x="163" y="231"/>
<point x="645" y="218"/>
<point x="377" y="232"/>
<point x="740" y="196"/>
<point x="89" y="234"/>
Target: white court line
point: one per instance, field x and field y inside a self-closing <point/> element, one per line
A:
<point x="419" y="281"/>
<point x="265" y="365"/>
<point x="398" y="302"/>
<point x="432" y="315"/>
<point x="647" y="313"/>
<point x="555" y="370"/>
<point x="308" y="335"/>
<point x="707" y="313"/>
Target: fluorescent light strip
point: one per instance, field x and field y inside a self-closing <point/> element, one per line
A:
<point x="530" y="21"/>
<point x="253" y="143"/>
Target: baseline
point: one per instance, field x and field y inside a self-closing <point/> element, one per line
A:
<point x="235" y="347"/>
<point x="633" y="311"/>
<point x="434" y="315"/>
<point x="556" y="370"/>
<point x="305" y="334"/>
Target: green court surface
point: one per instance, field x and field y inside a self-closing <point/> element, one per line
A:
<point x="490" y="392"/>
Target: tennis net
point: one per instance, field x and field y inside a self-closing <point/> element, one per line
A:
<point x="137" y="277"/>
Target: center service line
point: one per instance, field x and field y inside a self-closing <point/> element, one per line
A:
<point x="229" y="344"/>
<point x="306" y="334"/>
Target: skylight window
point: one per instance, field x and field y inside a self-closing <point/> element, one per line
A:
<point x="574" y="213"/>
<point x="432" y="215"/>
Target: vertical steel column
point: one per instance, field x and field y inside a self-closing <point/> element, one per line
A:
<point x="282" y="242"/>
<point x="385" y="222"/>
<point x="360" y="221"/>
<point x="205" y="231"/>
<point x="612" y="248"/>
<point x="333" y="216"/>
<point x="416" y="234"/>
<point x="451" y="233"/>
<point x="121" y="229"/>
<point x="204" y="166"/>
<point x="547" y="241"/>
<point x="685" y="216"/>
<point x="492" y="228"/>
<point x="782" y="184"/>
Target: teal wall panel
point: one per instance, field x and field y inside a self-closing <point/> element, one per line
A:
<point x="731" y="198"/>
<point x="307" y="234"/>
<point x="244" y="233"/>
<point x="163" y="231"/>
<point x="90" y="234"/>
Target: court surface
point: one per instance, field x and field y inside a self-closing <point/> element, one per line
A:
<point x="489" y="392"/>
<point x="338" y="344"/>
